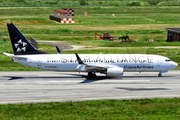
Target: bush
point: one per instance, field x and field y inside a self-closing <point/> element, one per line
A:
<point x="144" y="3"/>
<point x="83" y="2"/>
<point x="153" y="2"/>
<point x="134" y="3"/>
<point x="169" y="3"/>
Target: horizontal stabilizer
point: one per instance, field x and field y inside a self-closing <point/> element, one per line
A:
<point x="8" y="54"/>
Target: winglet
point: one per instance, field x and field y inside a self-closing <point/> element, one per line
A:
<point x="79" y="59"/>
<point x="59" y="50"/>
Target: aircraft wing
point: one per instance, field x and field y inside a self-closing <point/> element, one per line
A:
<point x="84" y="67"/>
<point x="92" y="67"/>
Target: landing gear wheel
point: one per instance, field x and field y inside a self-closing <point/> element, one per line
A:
<point x="92" y="74"/>
<point x="159" y="75"/>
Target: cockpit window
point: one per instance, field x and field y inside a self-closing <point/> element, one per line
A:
<point x="168" y="60"/>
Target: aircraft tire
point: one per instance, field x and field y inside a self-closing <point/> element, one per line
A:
<point x="92" y="74"/>
<point x="159" y="75"/>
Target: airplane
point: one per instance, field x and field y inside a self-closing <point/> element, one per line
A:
<point x="112" y="65"/>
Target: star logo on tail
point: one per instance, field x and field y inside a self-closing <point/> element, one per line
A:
<point x="20" y="46"/>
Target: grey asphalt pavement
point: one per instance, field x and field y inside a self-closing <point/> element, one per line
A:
<point x="47" y="86"/>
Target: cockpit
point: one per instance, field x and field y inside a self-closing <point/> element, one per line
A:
<point x="167" y="60"/>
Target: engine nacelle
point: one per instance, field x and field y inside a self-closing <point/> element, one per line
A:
<point x="114" y="72"/>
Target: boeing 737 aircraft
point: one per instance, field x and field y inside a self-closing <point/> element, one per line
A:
<point x="112" y="65"/>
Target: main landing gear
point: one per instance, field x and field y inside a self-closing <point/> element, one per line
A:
<point x="92" y="74"/>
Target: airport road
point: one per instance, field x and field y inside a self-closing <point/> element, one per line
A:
<point x="45" y="86"/>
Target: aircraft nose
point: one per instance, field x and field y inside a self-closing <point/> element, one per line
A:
<point x="174" y="65"/>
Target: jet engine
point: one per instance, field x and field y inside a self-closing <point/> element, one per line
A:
<point x="114" y="72"/>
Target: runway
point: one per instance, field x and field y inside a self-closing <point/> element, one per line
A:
<point x="45" y="86"/>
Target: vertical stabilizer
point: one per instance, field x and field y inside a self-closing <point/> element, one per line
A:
<point x="20" y="44"/>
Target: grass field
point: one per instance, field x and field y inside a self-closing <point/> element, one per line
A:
<point x="53" y="3"/>
<point x="145" y="109"/>
<point x="128" y="19"/>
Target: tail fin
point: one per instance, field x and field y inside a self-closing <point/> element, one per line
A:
<point x="20" y="44"/>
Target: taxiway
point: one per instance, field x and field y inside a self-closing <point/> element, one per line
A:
<point x="45" y="86"/>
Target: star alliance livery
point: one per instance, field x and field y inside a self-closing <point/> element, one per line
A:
<point x="112" y="65"/>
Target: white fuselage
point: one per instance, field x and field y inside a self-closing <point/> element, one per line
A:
<point x="68" y="62"/>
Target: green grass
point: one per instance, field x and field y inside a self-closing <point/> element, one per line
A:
<point x="121" y="3"/>
<point x="96" y="16"/>
<point x="137" y="44"/>
<point x="145" y="109"/>
<point x="37" y="24"/>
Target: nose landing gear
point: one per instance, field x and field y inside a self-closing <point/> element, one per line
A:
<point x="159" y="75"/>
